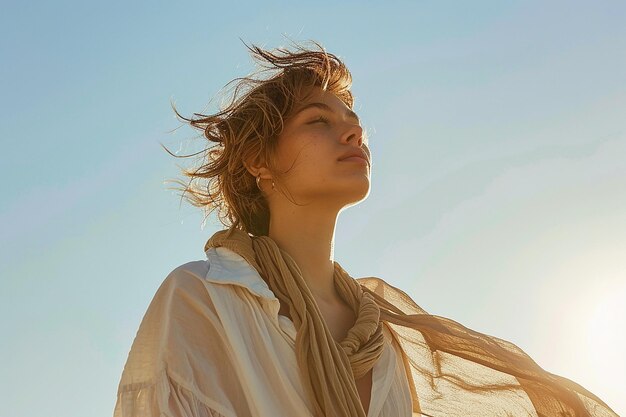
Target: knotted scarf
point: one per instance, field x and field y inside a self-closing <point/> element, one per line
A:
<point x="450" y="368"/>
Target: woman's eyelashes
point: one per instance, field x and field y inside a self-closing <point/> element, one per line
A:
<point x="320" y="119"/>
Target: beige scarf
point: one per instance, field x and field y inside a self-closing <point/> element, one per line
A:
<point x="435" y="349"/>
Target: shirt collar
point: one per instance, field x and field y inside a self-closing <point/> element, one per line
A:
<point x="228" y="267"/>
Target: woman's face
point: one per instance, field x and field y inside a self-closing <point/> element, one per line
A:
<point x="320" y="130"/>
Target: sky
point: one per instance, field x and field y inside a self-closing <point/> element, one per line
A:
<point x="498" y="193"/>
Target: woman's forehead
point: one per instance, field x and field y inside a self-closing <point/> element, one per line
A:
<point x="315" y="93"/>
<point x="319" y="98"/>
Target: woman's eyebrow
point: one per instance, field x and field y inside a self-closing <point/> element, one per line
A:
<point x="323" y="106"/>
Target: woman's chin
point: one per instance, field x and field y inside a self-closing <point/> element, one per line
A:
<point x="359" y="192"/>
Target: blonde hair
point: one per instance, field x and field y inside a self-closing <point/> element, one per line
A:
<point x="248" y="128"/>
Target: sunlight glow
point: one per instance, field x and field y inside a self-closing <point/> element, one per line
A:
<point x="606" y="321"/>
<point x="605" y="336"/>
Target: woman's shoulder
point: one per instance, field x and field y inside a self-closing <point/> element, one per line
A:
<point x="182" y="279"/>
<point x="216" y="276"/>
<point x="188" y="271"/>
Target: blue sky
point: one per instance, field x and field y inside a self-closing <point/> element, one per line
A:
<point x="498" y="194"/>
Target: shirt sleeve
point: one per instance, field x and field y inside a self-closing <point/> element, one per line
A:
<point x="179" y="364"/>
<point x="164" y="397"/>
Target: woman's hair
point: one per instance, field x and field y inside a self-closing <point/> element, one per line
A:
<point x="249" y="127"/>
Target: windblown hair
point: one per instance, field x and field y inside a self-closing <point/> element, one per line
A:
<point x="248" y="128"/>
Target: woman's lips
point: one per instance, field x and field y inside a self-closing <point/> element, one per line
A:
<point x="355" y="159"/>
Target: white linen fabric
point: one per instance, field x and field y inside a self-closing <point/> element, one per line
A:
<point x="211" y="343"/>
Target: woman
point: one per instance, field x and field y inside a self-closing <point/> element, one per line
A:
<point x="270" y="324"/>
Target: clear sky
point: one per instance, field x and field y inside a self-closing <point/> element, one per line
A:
<point x="498" y="136"/>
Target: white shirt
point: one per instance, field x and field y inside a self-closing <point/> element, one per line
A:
<point x="212" y="344"/>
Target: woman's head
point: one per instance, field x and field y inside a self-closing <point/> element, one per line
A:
<point x="273" y="130"/>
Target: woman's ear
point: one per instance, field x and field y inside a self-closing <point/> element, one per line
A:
<point x="255" y="167"/>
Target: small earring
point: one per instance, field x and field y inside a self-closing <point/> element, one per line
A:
<point x="258" y="183"/>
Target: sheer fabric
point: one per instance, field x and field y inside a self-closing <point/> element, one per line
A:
<point x="456" y="371"/>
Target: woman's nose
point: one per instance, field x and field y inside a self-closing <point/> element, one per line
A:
<point x="354" y="131"/>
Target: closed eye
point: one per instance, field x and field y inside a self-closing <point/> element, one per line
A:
<point x="319" y="119"/>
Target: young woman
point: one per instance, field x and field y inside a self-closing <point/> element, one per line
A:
<point x="270" y="324"/>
